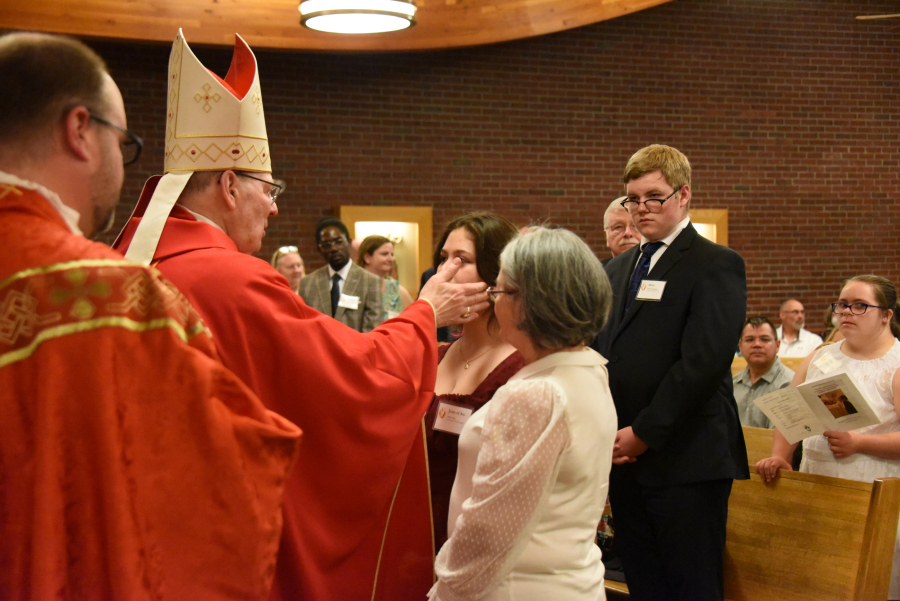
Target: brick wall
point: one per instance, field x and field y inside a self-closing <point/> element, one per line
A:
<point x="788" y="109"/>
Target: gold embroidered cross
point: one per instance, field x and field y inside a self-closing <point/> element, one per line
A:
<point x="82" y="307"/>
<point x="205" y="97"/>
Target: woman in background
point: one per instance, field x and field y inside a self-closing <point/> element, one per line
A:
<point x="376" y="255"/>
<point x="288" y="262"/>
<point x="869" y="320"/>
<point x="534" y="462"/>
<point x="476" y="364"/>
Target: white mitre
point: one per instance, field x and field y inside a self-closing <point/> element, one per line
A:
<point x="211" y="124"/>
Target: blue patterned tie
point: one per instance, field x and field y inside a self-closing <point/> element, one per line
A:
<point x="640" y="272"/>
<point x="335" y="292"/>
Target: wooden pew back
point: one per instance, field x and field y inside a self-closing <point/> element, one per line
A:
<point x="759" y="443"/>
<point x="806" y="537"/>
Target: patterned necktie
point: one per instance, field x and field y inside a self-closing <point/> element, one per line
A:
<point x="335" y="292"/>
<point x="640" y="272"/>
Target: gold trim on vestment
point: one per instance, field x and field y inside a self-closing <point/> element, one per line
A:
<point x="387" y="524"/>
<point x="95" y="324"/>
<point x="26" y="273"/>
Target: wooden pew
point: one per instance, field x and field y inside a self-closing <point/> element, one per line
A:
<point x="759" y="443"/>
<point x="793" y="363"/>
<point x="807" y="538"/>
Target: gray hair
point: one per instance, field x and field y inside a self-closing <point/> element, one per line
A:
<point x="563" y="291"/>
<point x="615" y="205"/>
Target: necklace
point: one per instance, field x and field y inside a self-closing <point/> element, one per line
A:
<point x="473" y="358"/>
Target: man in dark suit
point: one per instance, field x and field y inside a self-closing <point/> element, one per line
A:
<point x="679" y="302"/>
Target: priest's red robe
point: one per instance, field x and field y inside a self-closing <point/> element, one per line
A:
<point x="133" y="465"/>
<point x="357" y="513"/>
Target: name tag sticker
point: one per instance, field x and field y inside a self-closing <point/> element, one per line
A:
<point x="650" y="290"/>
<point x="451" y="418"/>
<point x="827" y="364"/>
<point x="349" y="302"/>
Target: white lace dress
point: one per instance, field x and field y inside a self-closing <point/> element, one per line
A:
<point x="874" y="377"/>
<point x="530" y="487"/>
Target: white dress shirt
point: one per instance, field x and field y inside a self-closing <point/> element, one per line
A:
<point x="666" y="241"/>
<point x="344" y="272"/>
<point x="805" y="343"/>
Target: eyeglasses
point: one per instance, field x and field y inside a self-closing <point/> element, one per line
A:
<point x="329" y="244"/>
<point x="276" y="186"/>
<point x="288" y="249"/>
<point x="131" y="147"/>
<point x="654" y="205"/>
<point x="855" y="308"/>
<point x="618" y="229"/>
<point x="493" y="292"/>
<point x="795" y="312"/>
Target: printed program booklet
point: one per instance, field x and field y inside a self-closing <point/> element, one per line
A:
<point x="832" y="403"/>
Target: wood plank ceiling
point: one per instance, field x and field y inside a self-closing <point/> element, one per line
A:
<point x="276" y="23"/>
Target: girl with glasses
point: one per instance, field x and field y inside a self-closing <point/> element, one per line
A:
<point x="869" y="320"/>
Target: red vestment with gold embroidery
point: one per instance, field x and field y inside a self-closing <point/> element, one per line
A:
<point x="133" y="465"/>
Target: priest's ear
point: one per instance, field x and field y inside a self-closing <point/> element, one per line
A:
<point x="229" y="189"/>
<point x="75" y="132"/>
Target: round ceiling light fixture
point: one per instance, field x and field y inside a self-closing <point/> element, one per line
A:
<point x="357" y="16"/>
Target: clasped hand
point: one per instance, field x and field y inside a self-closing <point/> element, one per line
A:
<point x="628" y="447"/>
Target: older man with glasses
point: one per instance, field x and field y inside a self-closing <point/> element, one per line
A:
<point x="796" y="341"/>
<point x="621" y="234"/>
<point x="352" y="529"/>
<point x="342" y="289"/>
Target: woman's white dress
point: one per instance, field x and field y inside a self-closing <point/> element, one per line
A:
<point x="874" y="378"/>
<point x="531" y="486"/>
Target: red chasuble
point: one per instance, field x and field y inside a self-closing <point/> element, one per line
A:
<point x="357" y="518"/>
<point x="133" y="465"/>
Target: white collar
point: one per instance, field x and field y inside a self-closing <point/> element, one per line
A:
<point x="344" y="271"/>
<point x="671" y="237"/>
<point x="200" y="217"/>
<point x="586" y="356"/>
<point x="69" y="215"/>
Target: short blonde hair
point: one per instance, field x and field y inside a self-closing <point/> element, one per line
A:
<point x="674" y="166"/>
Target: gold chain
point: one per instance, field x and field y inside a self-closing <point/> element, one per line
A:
<point x="473" y="358"/>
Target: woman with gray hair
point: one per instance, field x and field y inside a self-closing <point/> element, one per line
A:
<point x="534" y="462"/>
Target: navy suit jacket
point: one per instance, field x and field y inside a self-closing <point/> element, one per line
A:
<point x="670" y="362"/>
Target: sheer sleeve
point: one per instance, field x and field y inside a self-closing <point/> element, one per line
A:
<point x="524" y="434"/>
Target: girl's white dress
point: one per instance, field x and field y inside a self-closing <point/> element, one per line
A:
<point x="874" y="377"/>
